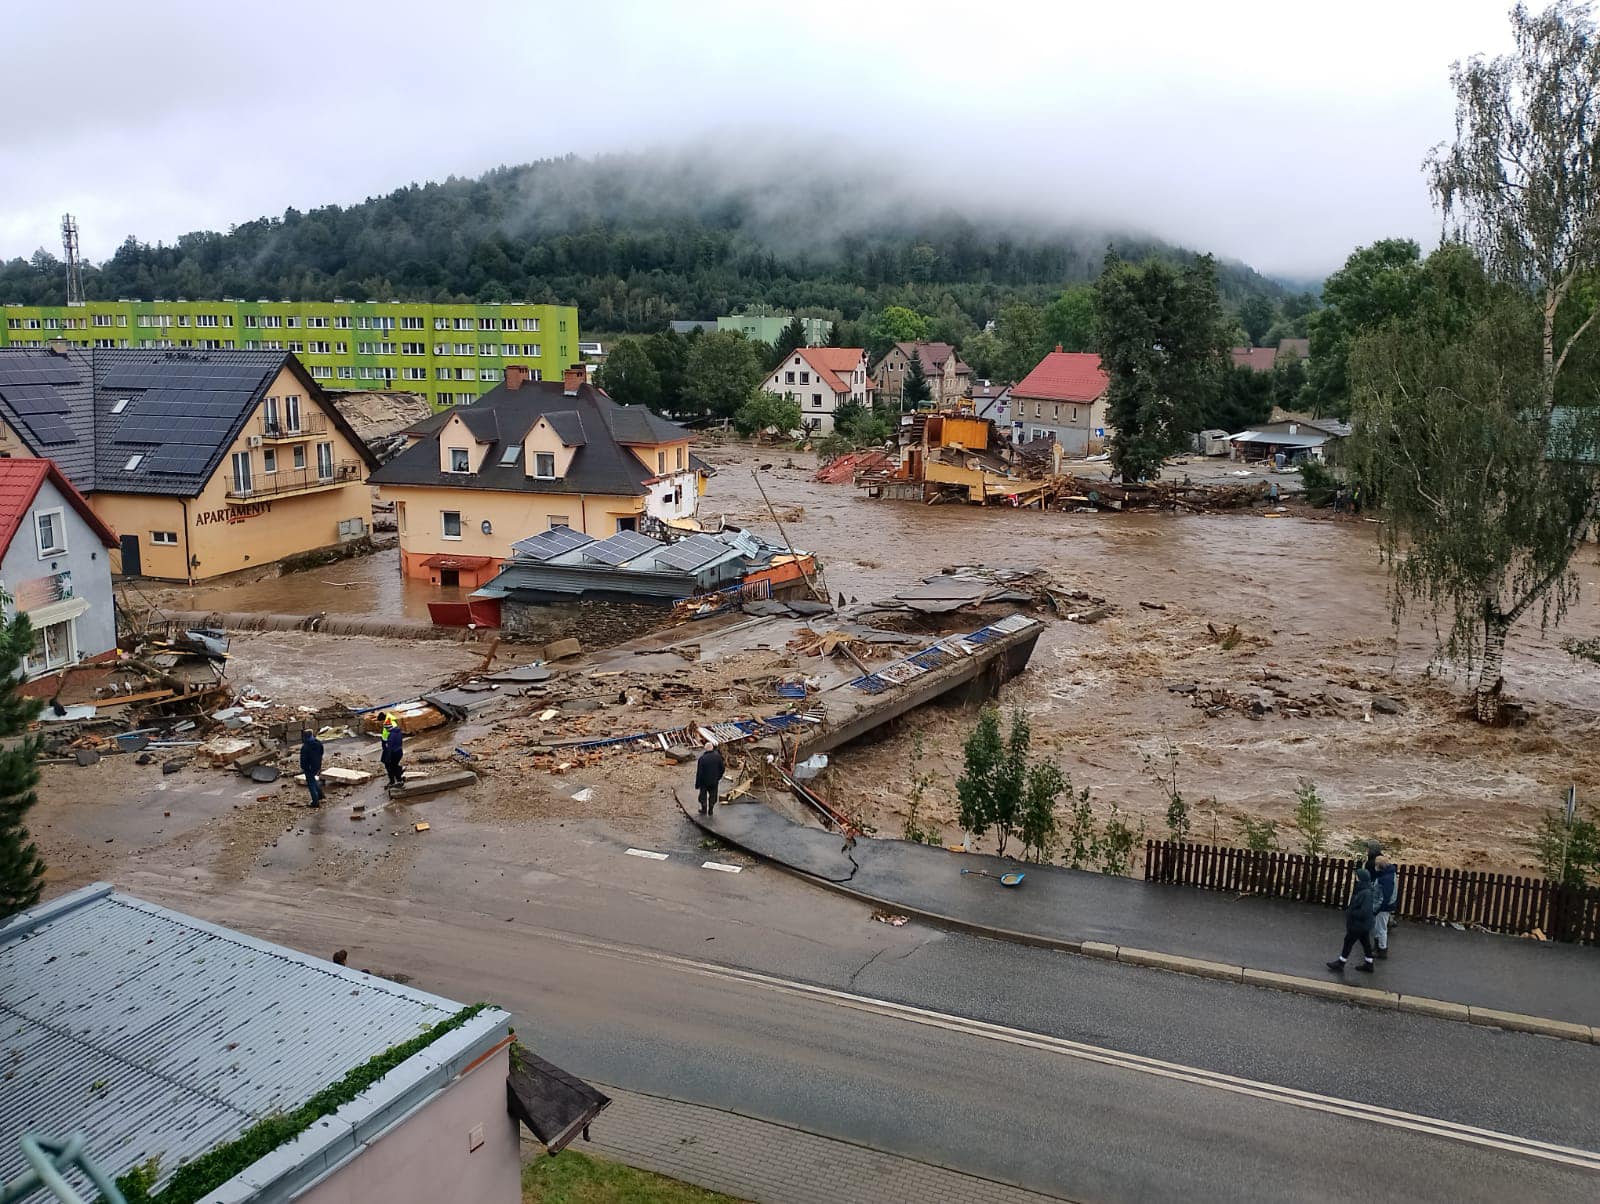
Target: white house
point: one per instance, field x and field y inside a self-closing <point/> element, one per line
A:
<point x="822" y="379"/>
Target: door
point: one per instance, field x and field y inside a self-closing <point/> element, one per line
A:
<point x="450" y="578"/>
<point x="324" y="461"/>
<point x="241" y="473"/>
<point x="130" y="556"/>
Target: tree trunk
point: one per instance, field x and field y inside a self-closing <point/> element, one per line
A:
<point x="1486" y="696"/>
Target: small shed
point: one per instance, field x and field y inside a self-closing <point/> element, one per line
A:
<point x="1213" y="442"/>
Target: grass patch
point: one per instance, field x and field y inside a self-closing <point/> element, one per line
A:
<point x="574" y="1178"/>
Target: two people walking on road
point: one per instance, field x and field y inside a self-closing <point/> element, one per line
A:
<point x="1367" y="914"/>
<point x="393" y="749"/>
<point x="311" y="764"/>
<point x="708" y="773"/>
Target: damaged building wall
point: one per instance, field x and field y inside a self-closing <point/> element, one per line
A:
<point x="596" y="624"/>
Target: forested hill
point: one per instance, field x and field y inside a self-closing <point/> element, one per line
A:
<point x="632" y="241"/>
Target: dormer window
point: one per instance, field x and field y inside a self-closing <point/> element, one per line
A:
<point x="544" y="465"/>
<point x="459" y="461"/>
<point x="120" y="405"/>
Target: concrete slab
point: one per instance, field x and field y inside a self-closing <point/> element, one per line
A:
<point x="1519" y="1023"/>
<point x="417" y="787"/>
<point x="1180" y="965"/>
<point x="1099" y="949"/>
<point x="1439" y="1009"/>
<point x="1326" y="989"/>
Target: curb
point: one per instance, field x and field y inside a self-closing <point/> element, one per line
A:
<point x="1321" y="988"/>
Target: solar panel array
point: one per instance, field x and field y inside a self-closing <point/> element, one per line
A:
<point x="690" y="554"/>
<point x="549" y="544"/>
<point x="38" y="370"/>
<point x="620" y="548"/>
<point x="41" y="409"/>
<point x="187" y="410"/>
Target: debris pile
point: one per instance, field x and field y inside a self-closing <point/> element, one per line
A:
<point x="842" y="470"/>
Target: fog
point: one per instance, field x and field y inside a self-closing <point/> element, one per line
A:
<point x="1282" y="136"/>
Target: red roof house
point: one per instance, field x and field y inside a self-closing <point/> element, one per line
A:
<point x="1065" y="376"/>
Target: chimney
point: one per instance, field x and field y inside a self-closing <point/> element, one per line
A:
<point x="516" y="375"/>
<point x="1058" y="346"/>
<point x="58" y="346"/>
<point x="572" y="378"/>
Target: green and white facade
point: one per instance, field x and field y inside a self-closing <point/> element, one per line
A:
<point x="450" y="354"/>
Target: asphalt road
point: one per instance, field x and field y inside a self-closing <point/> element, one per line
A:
<point x="1018" y="1064"/>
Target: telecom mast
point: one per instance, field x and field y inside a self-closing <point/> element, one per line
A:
<point x="69" y="242"/>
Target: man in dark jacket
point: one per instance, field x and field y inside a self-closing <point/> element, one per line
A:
<point x="1358" y="918"/>
<point x="311" y="765"/>
<point x="393" y="749"/>
<point x="708" y="772"/>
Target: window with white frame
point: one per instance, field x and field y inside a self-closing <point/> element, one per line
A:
<point x="383" y="323"/>
<point x="341" y="323"/>
<point x="509" y="349"/>
<point x="292" y="321"/>
<point x="413" y="374"/>
<point x="532" y="349"/>
<point x="325" y="461"/>
<point x="441" y="323"/>
<point x="346" y="372"/>
<point x="205" y="319"/>
<point x="488" y="374"/>
<point x="508" y="323"/>
<point x="168" y="538"/>
<point x="269" y="460"/>
<point x="271" y="321"/>
<point x="442" y="373"/>
<point x="465" y="374"/>
<point x="413" y="349"/>
<point x="463" y="324"/>
<point x="102" y="319"/>
<point x="488" y="324"/>
<point x="300" y="456"/>
<point x="317" y="323"/>
<point x="451" y="523"/>
<point x="544" y="465"/>
<point x="459" y="460"/>
<point x="486" y="348"/>
<point x="319" y="347"/>
<point x="410" y="323"/>
<point x="363" y="323"/>
<point x="53" y="646"/>
<point x="530" y="323"/>
<point x="51" y="530"/>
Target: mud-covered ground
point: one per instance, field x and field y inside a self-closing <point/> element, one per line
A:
<point x="1314" y="635"/>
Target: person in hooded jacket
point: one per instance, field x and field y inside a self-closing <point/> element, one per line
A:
<point x="393" y="749"/>
<point x="311" y="764"/>
<point x="1359" y="915"/>
<point x="1385" y="881"/>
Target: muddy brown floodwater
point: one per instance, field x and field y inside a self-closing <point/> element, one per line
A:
<point x="1314" y="639"/>
<point x="1308" y="596"/>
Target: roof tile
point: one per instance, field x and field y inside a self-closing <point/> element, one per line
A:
<point x="1065" y="376"/>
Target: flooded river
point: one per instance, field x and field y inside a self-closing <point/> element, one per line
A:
<point x="1308" y="597"/>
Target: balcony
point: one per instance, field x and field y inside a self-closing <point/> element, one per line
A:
<point x="279" y="431"/>
<point x="305" y="480"/>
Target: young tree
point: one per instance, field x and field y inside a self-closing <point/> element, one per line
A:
<point x="768" y="412"/>
<point x="1163" y="341"/>
<point x="983" y="755"/>
<point x="722" y="368"/>
<point x="914" y="388"/>
<point x="1039" y="825"/>
<point x="21" y="867"/>
<point x="1311" y="818"/>
<point x="629" y="375"/>
<point x="1011" y="781"/>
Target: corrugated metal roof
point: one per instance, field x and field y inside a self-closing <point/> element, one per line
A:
<point x="159" y="1035"/>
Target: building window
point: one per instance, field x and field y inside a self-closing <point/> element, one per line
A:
<point x="463" y="324"/>
<point x="452" y="523"/>
<point x="164" y="537"/>
<point x="413" y="349"/>
<point x="52" y="647"/>
<point x="346" y="372"/>
<point x="459" y="460"/>
<point x="319" y="348"/>
<point x="300" y="455"/>
<point x="530" y="323"/>
<point x="465" y="374"/>
<point x="816" y="401"/>
<point x="325" y="461"/>
<point x="99" y="319"/>
<point x="788" y="378"/>
<point x="488" y="374"/>
<point x="321" y="372"/>
<point x="241" y="472"/>
<point x="508" y="323"/>
<point x="441" y="373"/>
<point x="317" y="323"/>
<point x="269" y="461"/>
<point x="341" y="323"/>
<point x="533" y="349"/>
<point x="661" y="461"/>
<point x="414" y="374"/>
<point x="400" y="517"/>
<point x="133" y="462"/>
<point x="251" y="321"/>
<point x="292" y="322"/>
<point x="294" y="345"/>
<point x="544" y="465"/>
<point x="410" y="323"/>
<point x="271" y="322"/>
<point x="52" y="533"/>
<point x="680" y="459"/>
<point x="509" y="349"/>
<point x="486" y="349"/>
<point x="205" y="319"/>
<point x="383" y="323"/>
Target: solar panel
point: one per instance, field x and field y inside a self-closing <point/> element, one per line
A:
<point x="48" y="428"/>
<point x="548" y="544"/>
<point x="620" y="548"/>
<point x="689" y="554"/>
<point x="38" y="370"/>
<point x="178" y="458"/>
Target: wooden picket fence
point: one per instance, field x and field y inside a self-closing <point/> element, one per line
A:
<point x="1497" y="902"/>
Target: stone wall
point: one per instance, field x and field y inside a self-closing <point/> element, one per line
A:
<point x="592" y="624"/>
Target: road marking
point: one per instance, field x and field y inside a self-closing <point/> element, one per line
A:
<point x="1156" y="1067"/>
<point x="647" y="853"/>
<point x="717" y="865"/>
<point x="217" y="793"/>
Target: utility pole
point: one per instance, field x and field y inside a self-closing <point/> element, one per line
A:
<point x="69" y="243"/>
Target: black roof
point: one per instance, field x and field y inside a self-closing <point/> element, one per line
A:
<point x="587" y="420"/>
<point x="178" y="411"/>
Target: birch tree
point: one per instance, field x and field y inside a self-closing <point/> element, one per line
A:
<point x="1488" y="482"/>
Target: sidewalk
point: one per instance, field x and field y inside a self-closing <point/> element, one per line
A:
<point x="772" y="1163"/>
<point x="1058" y="906"/>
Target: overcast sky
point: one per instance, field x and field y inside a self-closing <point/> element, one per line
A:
<point x="1283" y="135"/>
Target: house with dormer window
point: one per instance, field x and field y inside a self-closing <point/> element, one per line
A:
<point x="528" y="456"/>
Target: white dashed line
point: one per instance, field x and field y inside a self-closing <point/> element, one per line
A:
<point x="717" y="865"/>
<point x="647" y="853"/>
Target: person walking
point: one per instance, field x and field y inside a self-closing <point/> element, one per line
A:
<point x="311" y="764"/>
<point x="1359" y="914"/>
<point x="1385" y="881"/>
<point x="708" y="771"/>
<point x="393" y="749"/>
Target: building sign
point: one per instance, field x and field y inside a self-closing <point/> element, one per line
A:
<point x="232" y="514"/>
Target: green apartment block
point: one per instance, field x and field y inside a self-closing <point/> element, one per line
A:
<point x="449" y="353"/>
<point x="766" y="328"/>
